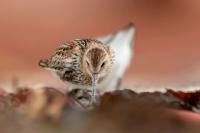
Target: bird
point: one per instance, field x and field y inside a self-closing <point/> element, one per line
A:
<point x="122" y="42"/>
<point x="82" y="63"/>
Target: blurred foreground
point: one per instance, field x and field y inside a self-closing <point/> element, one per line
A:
<point x="46" y="110"/>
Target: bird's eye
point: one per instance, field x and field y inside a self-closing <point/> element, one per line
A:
<point x="103" y="64"/>
<point x="87" y="63"/>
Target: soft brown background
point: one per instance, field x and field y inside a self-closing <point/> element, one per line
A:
<point x="167" y="43"/>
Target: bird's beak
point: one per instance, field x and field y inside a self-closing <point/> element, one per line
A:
<point x="95" y="78"/>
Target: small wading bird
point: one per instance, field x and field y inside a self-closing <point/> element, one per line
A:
<point x="121" y="42"/>
<point x="83" y="63"/>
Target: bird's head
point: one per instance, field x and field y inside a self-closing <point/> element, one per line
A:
<point x="97" y="60"/>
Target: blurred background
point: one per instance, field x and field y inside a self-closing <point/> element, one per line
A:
<point x="166" y="46"/>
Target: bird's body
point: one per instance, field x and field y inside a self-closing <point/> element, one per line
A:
<point x="77" y="61"/>
<point x="85" y="63"/>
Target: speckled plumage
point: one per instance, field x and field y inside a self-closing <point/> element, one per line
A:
<point x="68" y="61"/>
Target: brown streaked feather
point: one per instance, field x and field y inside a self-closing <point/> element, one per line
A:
<point x="67" y="60"/>
<point x="95" y="56"/>
<point x="57" y="61"/>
